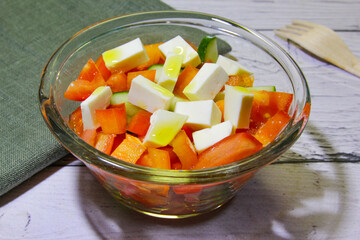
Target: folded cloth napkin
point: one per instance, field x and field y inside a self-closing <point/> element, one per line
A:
<point x="29" y="32"/>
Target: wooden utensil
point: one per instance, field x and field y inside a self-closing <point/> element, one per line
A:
<point x="322" y="42"/>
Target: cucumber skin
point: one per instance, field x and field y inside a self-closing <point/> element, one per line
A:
<point x="121" y="97"/>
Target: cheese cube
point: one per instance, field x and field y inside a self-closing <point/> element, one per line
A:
<point x="170" y="71"/>
<point x="126" y="56"/>
<point x="237" y="106"/>
<point x="207" y="82"/>
<point x="149" y="95"/>
<point x="164" y="125"/>
<point x="178" y="45"/>
<point x="232" y="67"/>
<point x="99" y="99"/>
<point x="209" y="136"/>
<point x="202" y="114"/>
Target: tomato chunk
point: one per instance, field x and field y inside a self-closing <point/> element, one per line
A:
<point x="112" y="120"/>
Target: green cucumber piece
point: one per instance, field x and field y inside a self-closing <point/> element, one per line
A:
<point x="208" y="50"/>
<point x="121" y="97"/>
<point x="261" y="88"/>
<point x="158" y="68"/>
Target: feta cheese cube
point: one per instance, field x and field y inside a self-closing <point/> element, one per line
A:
<point x="207" y="82"/>
<point x="99" y="99"/>
<point x="232" y="67"/>
<point x="178" y="45"/>
<point x="209" y="136"/>
<point x="126" y="56"/>
<point x="164" y="125"/>
<point x="202" y="114"/>
<point x="149" y="95"/>
<point x="170" y="71"/>
<point x="237" y="106"/>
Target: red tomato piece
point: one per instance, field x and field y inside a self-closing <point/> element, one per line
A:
<point x="112" y="120"/>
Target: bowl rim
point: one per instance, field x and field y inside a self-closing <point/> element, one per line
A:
<point x="101" y="160"/>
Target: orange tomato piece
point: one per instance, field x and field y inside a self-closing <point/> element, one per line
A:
<point x="184" y="79"/>
<point x="221" y="104"/>
<point x="104" y="142"/>
<point x="230" y="149"/>
<point x="117" y="82"/>
<point x="242" y="80"/>
<point x="156" y="158"/>
<point x="154" y="55"/>
<point x="149" y="74"/>
<point x="89" y="71"/>
<point x="75" y="121"/>
<point x="271" y="129"/>
<point x="112" y="120"/>
<point x="105" y="72"/>
<point x="129" y="150"/>
<point x="89" y="136"/>
<point x="140" y="123"/>
<point x="185" y="150"/>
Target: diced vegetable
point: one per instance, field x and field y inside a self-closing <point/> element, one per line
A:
<point x="154" y="54"/>
<point x="104" y="142"/>
<point x="184" y="149"/>
<point x="228" y="150"/>
<point x="241" y="80"/>
<point x="155" y="158"/>
<point x="117" y="82"/>
<point x="140" y="123"/>
<point x="122" y="97"/>
<point x="184" y="79"/>
<point x="273" y="126"/>
<point x="129" y="150"/>
<point x="148" y="74"/>
<point x="112" y="120"/>
<point x="102" y="68"/>
<point x="207" y="49"/>
<point x="158" y="68"/>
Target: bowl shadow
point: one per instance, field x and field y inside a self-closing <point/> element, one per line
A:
<point x="267" y="207"/>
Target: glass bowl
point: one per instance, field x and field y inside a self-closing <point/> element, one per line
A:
<point x="171" y="193"/>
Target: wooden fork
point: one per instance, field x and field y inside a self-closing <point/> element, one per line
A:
<point x="322" y="42"/>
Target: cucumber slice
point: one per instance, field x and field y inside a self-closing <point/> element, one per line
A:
<point x="121" y="97"/>
<point x="158" y="68"/>
<point x="261" y="88"/>
<point x="208" y="50"/>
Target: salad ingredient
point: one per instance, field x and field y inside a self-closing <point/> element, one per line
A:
<point x="184" y="150"/>
<point x="118" y="98"/>
<point x="207" y="137"/>
<point x="140" y="123"/>
<point x="201" y="114"/>
<point x="149" y="95"/>
<point x="270" y="129"/>
<point x="184" y="79"/>
<point x="178" y="45"/>
<point x="129" y="150"/>
<point x="148" y="74"/>
<point x="237" y="106"/>
<point x="99" y="99"/>
<point x="112" y="120"/>
<point x="241" y="80"/>
<point x="232" y="67"/>
<point x="262" y="88"/>
<point x="105" y="72"/>
<point x="232" y="148"/>
<point x="104" y="142"/>
<point x="170" y="71"/>
<point x="89" y="136"/>
<point x="208" y="51"/>
<point x="125" y="57"/>
<point x="155" y="158"/>
<point x="164" y="125"/>
<point x="154" y="54"/>
<point x="158" y="69"/>
<point x="117" y="82"/>
<point x="206" y="83"/>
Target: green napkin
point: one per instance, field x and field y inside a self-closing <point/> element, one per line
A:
<point x="29" y="32"/>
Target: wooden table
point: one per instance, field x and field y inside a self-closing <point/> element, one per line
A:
<point x="312" y="192"/>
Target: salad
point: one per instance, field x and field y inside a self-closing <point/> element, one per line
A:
<point x="173" y="105"/>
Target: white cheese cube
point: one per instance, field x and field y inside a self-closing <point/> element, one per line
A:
<point x="164" y="125"/>
<point x="99" y="99"/>
<point x="232" y="67"/>
<point x="126" y="56"/>
<point x="178" y="45"/>
<point x="170" y="71"/>
<point x="149" y="95"/>
<point x="207" y="82"/>
<point x="209" y="136"/>
<point x="202" y="114"/>
<point x="237" y="106"/>
<point x="175" y="100"/>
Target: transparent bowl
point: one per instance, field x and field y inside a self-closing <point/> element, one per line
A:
<point x="171" y="193"/>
